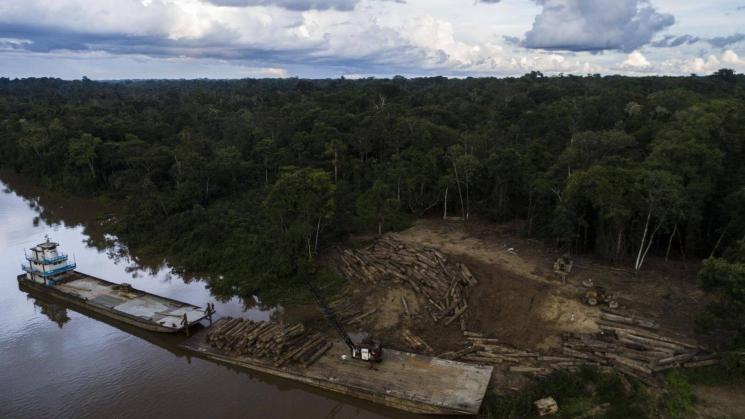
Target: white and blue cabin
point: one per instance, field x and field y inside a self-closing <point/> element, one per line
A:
<point x="46" y="264"/>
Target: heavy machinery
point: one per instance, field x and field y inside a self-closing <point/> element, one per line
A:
<point x="368" y="350"/>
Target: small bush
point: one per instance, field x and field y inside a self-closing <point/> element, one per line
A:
<point x="577" y="394"/>
<point x="679" y="397"/>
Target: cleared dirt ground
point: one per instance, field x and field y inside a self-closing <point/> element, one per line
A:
<point x="719" y="402"/>
<point x="518" y="298"/>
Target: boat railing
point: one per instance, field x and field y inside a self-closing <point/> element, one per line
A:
<point x="51" y="261"/>
<point x="51" y="272"/>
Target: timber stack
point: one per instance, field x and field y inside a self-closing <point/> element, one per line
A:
<point x="442" y="283"/>
<point x="633" y="346"/>
<point x="348" y="311"/>
<point x="483" y="350"/>
<point x="281" y="344"/>
<point x="629" y="345"/>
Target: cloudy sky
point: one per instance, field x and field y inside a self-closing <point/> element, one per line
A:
<point x="113" y="39"/>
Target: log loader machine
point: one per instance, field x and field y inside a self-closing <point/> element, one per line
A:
<point x="368" y="350"/>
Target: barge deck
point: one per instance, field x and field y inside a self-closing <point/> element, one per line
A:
<point x="406" y="381"/>
<point x="120" y="302"/>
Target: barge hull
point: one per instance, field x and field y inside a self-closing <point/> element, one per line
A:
<point x="102" y="310"/>
<point x="405" y="381"/>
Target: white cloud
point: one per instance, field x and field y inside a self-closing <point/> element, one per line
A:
<point x="363" y="37"/>
<point x="731" y="58"/>
<point x="702" y="65"/>
<point x="13" y="43"/>
<point x="636" y="61"/>
<point x="291" y="4"/>
<point x="553" y="63"/>
<point x="591" y="25"/>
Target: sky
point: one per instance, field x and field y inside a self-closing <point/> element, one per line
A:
<point x="144" y="39"/>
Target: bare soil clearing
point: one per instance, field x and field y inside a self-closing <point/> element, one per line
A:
<point x="518" y="299"/>
<point x="720" y="402"/>
<point x="521" y="301"/>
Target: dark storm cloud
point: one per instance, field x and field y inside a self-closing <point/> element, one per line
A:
<point x="296" y="5"/>
<point x="723" y="41"/>
<point x="213" y="46"/>
<point x="216" y="44"/>
<point x="511" y="40"/>
<point x="673" y="41"/>
<point x="590" y="25"/>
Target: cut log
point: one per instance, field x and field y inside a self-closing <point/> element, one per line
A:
<point x="676" y="359"/>
<point x="480" y="359"/>
<point x="698" y="364"/>
<point x="629" y="363"/>
<point x="461" y="353"/>
<point x="457" y="314"/>
<point x="524" y="369"/>
<point x="649" y="324"/>
<point x="406" y="306"/>
<point x="362" y="316"/>
<point x="546" y="407"/>
<point x="483" y="339"/>
<point x="606" y="326"/>
<point x="319" y="353"/>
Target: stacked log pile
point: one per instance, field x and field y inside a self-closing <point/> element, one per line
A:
<point x="281" y="344"/>
<point x="489" y="351"/>
<point x="634" y="347"/>
<point x="626" y="344"/>
<point x="442" y="283"/>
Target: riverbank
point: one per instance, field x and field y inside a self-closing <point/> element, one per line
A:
<point x="516" y="299"/>
<point x="57" y="361"/>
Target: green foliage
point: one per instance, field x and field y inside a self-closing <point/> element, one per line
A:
<point x="297" y="206"/>
<point x="679" y="397"/>
<point x="247" y="180"/>
<point x="577" y="394"/>
<point x="725" y="318"/>
<point x="378" y="207"/>
<point x="730" y="371"/>
<point x="82" y="152"/>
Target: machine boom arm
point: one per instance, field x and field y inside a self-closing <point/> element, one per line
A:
<point x="329" y="315"/>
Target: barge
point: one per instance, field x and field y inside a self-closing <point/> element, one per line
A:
<point x="405" y="381"/>
<point x="51" y="273"/>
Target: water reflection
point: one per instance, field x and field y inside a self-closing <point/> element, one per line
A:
<point x="55" y="312"/>
<point x="59" y="362"/>
<point x="59" y="211"/>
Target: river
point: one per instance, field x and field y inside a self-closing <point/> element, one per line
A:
<point x="55" y="362"/>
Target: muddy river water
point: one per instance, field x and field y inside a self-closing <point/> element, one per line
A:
<point x="55" y="362"/>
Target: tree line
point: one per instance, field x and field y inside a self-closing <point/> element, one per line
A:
<point x="249" y="179"/>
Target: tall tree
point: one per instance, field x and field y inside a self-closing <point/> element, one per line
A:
<point x="661" y="201"/>
<point x="83" y="151"/>
<point x="299" y="203"/>
<point x="377" y="204"/>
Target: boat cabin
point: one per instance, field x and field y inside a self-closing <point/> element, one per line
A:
<point x="51" y="272"/>
<point x="46" y="264"/>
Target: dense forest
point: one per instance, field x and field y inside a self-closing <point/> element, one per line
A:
<point x="249" y="180"/>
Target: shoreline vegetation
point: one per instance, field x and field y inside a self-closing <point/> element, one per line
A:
<point x="250" y="180"/>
